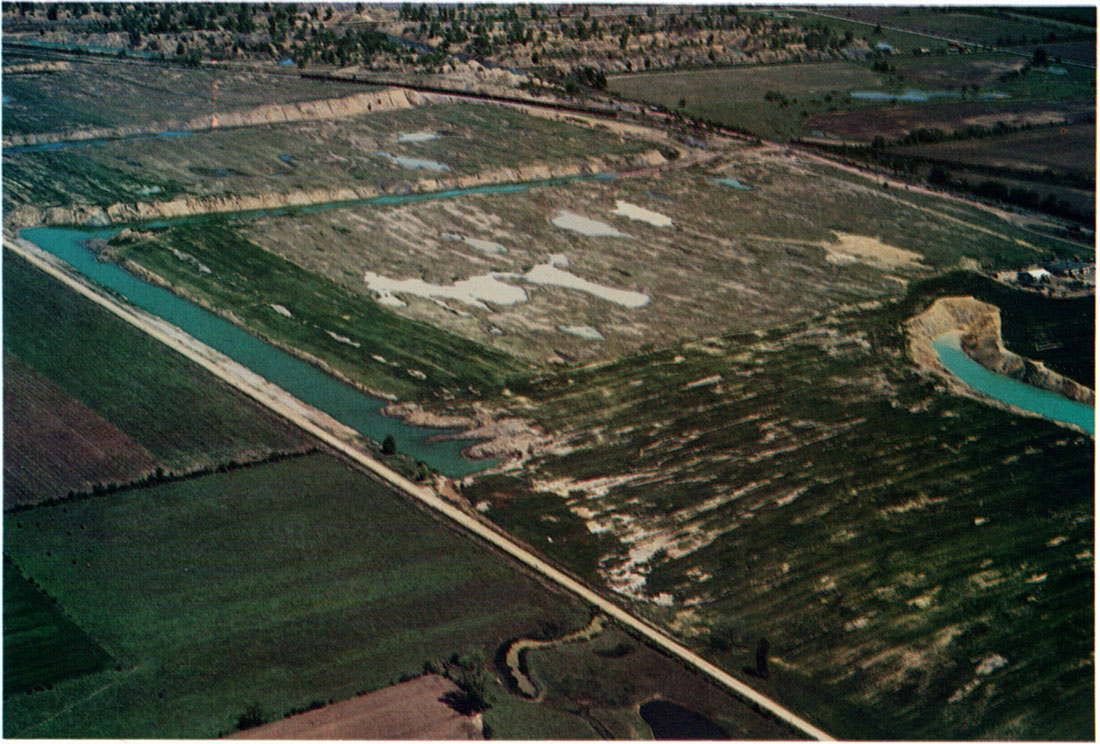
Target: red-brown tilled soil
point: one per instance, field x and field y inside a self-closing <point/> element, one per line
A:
<point x="53" y="443"/>
<point x="410" y="710"/>
<point x="896" y="121"/>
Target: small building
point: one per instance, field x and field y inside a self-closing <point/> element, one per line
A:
<point x="1033" y="276"/>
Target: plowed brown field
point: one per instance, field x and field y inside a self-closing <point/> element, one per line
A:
<point x="53" y="443"/>
<point x="895" y="121"/>
<point x="410" y="710"/>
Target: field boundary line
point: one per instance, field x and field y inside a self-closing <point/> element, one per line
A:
<point x="69" y="707"/>
<point x="325" y="427"/>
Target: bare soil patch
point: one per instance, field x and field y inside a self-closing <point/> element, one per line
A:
<point x="410" y="710"/>
<point x="870" y="250"/>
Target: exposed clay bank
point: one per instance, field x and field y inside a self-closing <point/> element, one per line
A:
<point x="1018" y="394"/>
<point x="960" y="339"/>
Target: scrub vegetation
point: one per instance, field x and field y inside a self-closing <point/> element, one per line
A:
<point x="764" y="475"/>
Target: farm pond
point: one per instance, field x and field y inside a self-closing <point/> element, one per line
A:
<point x="667" y="720"/>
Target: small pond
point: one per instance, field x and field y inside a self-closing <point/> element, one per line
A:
<point x="733" y="183"/>
<point x="908" y="95"/>
<point x="671" y="721"/>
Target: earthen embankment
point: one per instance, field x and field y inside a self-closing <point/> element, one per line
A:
<point x="979" y="324"/>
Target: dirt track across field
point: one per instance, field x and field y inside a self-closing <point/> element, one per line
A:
<point x="410" y="710"/>
<point x="341" y="438"/>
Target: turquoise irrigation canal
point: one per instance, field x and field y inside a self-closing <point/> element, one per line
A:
<point x="304" y="381"/>
<point x="1043" y="402"/>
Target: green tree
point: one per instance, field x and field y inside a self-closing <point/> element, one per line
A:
<point x="252" y="717"/>
<point x="389" y="445"/>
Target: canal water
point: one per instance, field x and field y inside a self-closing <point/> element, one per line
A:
<point x="301" y="379"/>
<point x="309" y="384"/>
<point x="1043" y="402"/>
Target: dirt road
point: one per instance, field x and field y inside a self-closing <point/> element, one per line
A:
<point x="340" y="438"/>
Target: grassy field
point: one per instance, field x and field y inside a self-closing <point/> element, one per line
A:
<point x="53" y="444"/>
<point x="246" y="280"/>
<point x="160" y="400"/>
<point x="804" y="485"/>
<point x="735" y="97"/>
<point x="901" y="40"/>
<point x="896" y="121"/>
<point x="42" y="647"/>
<point x="745" y="83"/>
<point x="1004" y="28"/>
<point x="96" y="93"/>
<point x="813" y="94"/>
<point x="612" y="674"/>
<point x="279" y="585"/>
<point x="1083" y="52"/>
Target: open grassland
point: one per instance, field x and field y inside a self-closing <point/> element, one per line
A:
<point x="613" y="674"/>
<point x="42" y="647"/>
<point x="901" y="40"/>
<point x="992" y="72"/>
<point x="921" y="563"/>
<point x="53" y="444"/>
<point x="1082" y="52"/>
<point x="731" y="260"/>
<point x="183" y="418"/>
<point x="247" y="281"/>
<point x="995" y="27"/>
<point x="311" y="156"/>
<point x="104" y="93"/>
<point x="735" y="96"/>
<point x="277" y="585"/>
<point x="745" y="83"/>
<point x="806" y="97"/>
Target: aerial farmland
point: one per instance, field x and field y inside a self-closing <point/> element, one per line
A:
<point x="548" y="372"/>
